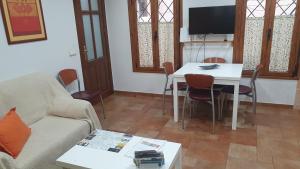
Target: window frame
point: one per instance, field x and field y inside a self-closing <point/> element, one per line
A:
<point x="292" y="73"/>
<point x="132" y="8"/>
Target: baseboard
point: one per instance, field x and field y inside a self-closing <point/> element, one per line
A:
<point x="136" y="94"/>
<point x="285" y="106"/>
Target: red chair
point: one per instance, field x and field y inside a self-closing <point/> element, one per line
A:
<point x="200" y="89"/>
<point x="68" y="76"/>
<point x="249" y="91"/>
<point x="214" y="60"/>
<point x="169" y="70"/>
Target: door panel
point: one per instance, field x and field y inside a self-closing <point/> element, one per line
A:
<point x="94" y="4"/>
<point x="98" y="36"/>
<point x="88" y="37"/>
<point x="84" y="4"/>
<point x="93" y="43"/>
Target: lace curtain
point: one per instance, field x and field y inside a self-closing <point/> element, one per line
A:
<point x="165" y="40"/>
<point x="280" y="51"/>
<point x="145" y="44"/>
<point x="281" y="43"/>
<point x="252" y="42"/>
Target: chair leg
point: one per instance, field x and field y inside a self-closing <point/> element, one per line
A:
<point x="172" y="100"/>
<point x="190" y="108"/>
<point x="164" y="101"/>
<point x="222" y="103"/>
<point x="254" y="100"/>
<point x="219" y="107"/>
<point x="102" y="104"/>
<point x="183" y="111"/>
<point x="213" y="111"/>
<point x="214" y="116"/>
<point x="226" y="105"/>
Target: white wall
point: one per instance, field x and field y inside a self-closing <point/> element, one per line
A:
<point x="120" y="52"/>
<point x="50" y="55"/>
<point x="269" y="91"/>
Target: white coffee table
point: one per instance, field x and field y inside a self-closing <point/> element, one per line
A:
<point x="79" y="157"/>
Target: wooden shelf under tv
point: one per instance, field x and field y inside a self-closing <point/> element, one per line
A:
<point x="231" y="42"/>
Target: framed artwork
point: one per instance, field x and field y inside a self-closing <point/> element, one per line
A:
<point x="23" y="20"/>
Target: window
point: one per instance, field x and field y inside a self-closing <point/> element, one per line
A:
<point x="268" y="34"/>
<point x="154" y="30"/>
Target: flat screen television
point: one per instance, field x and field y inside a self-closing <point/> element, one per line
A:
<point x="212" y="20"/>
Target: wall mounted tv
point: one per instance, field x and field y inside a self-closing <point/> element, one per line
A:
<point x="212" y="20"/>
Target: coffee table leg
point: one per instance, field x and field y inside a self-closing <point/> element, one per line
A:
<point x="178" y="162"/>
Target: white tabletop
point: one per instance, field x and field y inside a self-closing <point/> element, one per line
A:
<point x="80" y="157"/>
<point x="226" y="71"/>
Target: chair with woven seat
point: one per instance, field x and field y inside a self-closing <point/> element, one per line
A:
<point x="249" y="91"/>
<point x="68" y="76"/>
<point x="200" y="89"/>
<point x="169" y="70"/>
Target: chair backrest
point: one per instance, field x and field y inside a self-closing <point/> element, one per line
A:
<point x="199" y="81"/>
<point x="214" y="60"/>
<point x="255" y="75"/>
<point x="256" y="72"/>
<point x="67" y="76"/>
<point x="168" y="68"/>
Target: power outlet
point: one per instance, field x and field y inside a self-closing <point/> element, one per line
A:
<point x="72" y="54"/>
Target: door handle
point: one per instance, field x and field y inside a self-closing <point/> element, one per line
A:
<point x="155" y="35"/>
<point x="85" y="52"/>
<point x="84" y="49"/>
<point x="269" y="34"/>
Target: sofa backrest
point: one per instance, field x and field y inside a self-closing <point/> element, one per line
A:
<point x="31" y="95"/>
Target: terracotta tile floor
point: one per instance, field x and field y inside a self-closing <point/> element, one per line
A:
<point x="272" y="143"/>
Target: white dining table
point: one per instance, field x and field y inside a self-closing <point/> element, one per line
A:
<point x="225" y="74"/>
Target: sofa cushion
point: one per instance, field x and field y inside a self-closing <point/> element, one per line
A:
<point x="13" y="133"/>
<point x="51" y="137"/>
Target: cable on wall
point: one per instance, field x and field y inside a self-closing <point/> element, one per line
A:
<point x="204" y="47"/>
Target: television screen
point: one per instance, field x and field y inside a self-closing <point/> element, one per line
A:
<point x="212" y="20"/>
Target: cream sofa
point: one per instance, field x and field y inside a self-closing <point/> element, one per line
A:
<point x="57" y="120"/>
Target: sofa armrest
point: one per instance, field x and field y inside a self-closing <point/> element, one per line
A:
<point x="75" y="109"/>
<point x="6" y="161"/>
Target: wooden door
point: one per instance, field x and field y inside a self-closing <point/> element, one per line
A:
<point x="93" y="43"/>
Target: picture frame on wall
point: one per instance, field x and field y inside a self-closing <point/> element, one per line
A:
<point x="23" y="20"/>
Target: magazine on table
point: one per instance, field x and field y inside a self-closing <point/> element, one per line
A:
<point x="106" y="140"/>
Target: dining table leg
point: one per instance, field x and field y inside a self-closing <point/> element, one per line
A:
<point x="235" y="105"/>
<point x="175" y="99"/>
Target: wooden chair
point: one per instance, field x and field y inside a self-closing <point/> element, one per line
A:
<point x="169" y="70"/>
<point x="68" y="76"/>
<point x="249" y="91"/>
<point x="200" y="89"/>
<point x="214" y="60"/>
